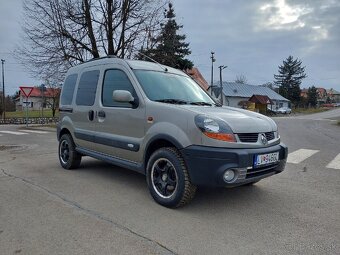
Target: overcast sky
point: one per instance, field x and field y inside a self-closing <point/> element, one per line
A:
<point x="251" y="37"/>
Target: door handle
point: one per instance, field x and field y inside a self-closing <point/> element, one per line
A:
<point x="91" y="115"/>
<point x="101" y="114"/>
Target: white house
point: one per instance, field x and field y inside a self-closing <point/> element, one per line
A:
<point x="37" y="99"/>
<point x="234" y="93"/>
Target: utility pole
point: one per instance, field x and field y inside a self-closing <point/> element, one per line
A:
<point x="3" y="90"/>
<point x="212" y="71"/>
<point x="42" y="89"/>
<point x="221" y="68"/>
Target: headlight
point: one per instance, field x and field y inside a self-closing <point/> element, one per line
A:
<point x="276" y="133"/>
<point x="215" y="128"/>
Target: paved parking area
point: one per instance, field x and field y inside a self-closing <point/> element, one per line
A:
<point x="101" y="209"/>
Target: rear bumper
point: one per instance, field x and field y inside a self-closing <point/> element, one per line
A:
<point x="206" y="165"/>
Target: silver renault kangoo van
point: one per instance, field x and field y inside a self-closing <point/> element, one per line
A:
<point x="157" y="121"/>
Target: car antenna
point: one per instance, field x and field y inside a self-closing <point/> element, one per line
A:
<point x="164" y="68"/>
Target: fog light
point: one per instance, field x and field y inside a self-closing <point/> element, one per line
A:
<point x="228" y="175"/>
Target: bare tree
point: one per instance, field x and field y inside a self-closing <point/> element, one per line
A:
<point x="241" y="79"/>
<point x="52" y="95"/>
<point x="61" y="33"/>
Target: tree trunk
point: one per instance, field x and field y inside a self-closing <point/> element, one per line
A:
<point x="88" y="21"/>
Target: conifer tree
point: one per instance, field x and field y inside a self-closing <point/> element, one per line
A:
<point x="312" y="96"/>
<point x="289" y="79"/>
<point x="171" y="48"/>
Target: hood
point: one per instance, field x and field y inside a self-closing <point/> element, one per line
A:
<point x="240" y="121"/>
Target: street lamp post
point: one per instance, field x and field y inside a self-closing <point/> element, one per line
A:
<point x="212" y="71"/>
<point x="221" y="88"/>
<point x="3" y="90"/>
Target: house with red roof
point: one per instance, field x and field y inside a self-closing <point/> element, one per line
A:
<point x="38" y="99"/>
<point x="198" y="77"/>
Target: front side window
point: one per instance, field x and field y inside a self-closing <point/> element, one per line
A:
<point x="68" y="89"/>
<point x="87" y="87"/>
<point x="116" y="80"/>
<point x="171" y="88"/>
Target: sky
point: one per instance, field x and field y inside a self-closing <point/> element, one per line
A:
<point x="250" y="37"/>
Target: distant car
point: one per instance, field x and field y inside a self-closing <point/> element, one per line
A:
<point x="284" y="110"/>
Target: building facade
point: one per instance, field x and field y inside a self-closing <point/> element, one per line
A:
<point x="38" y="99"/>
<point x="235" y="93"/>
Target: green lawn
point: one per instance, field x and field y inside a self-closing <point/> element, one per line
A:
<point x="309" y="110"/>
<point x="31" y="113"/>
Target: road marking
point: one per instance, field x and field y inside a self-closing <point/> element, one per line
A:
<point x="35" y="131"/>
<point x="298" y="156"/>
<point x="335" y="163"/>
<point x="12" y="132"/>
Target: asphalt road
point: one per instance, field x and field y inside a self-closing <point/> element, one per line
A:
<point x="101" y="209"/>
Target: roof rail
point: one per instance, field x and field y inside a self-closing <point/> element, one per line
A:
<point x="94" y="59"/>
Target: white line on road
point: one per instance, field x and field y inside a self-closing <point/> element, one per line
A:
<point x="298" y="156"/>
<point x="335" y="163"/>
<point x="35" y="131"/>
<point x="12" y="132"/>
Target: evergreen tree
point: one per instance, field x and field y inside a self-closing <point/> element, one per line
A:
<point x="312" y="96"/>
<point x="289" y="79"/>
<point x="171" y="48"/>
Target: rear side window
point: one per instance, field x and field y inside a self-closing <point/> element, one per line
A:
<point x="116" y="80"/>
<point x="87" y="87"/>
<point x="68" y="89"/>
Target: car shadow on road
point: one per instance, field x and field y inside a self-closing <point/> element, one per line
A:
<point x="110" y="172"/>
<point x="206" y="199"/>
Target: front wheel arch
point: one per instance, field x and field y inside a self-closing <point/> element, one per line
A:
<point x="157" y="142"/>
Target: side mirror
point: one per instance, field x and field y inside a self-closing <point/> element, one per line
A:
<point x="124" y="96"/>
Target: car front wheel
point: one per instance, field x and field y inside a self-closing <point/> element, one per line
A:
<point x="168" y="179"/>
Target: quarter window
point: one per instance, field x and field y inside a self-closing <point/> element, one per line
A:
<point x="116" y="80"/>
<point x="68" y="89"/>
<point x="87" y="87"/>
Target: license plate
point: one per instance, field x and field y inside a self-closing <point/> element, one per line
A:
<point x="265" y="159"/>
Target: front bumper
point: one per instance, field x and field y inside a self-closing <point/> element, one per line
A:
<point x="206" y="165"/>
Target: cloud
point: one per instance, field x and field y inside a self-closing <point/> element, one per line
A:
<point x="254" y="37"/>
<point x="280" y="15"/>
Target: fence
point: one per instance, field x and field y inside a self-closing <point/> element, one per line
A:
<point x="31" y="120"/>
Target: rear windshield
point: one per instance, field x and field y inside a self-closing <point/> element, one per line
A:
<point x="68" y="89"/>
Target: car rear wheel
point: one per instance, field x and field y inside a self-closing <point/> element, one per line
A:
<point x="69" y="158"/>
<point x="168" y="179"/>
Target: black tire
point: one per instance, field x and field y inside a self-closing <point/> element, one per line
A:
<point x="69" y="158"/>
<point x="168" y="179"/>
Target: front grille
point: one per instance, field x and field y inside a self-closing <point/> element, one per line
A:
<point x="253" y="137"/>
<point x="255" y="172"/>
<point x="248" y="137"/>
<point x="270" y="136"/>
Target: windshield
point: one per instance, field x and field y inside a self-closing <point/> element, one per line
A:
<point x="172" y="88"/>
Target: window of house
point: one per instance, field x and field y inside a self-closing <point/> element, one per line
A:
<point x="87" y="88"/>
<point x="68" y="89"/>
<point x="116" y="80"/>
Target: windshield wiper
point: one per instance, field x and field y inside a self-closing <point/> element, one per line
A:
<point x="172" y="101"/>
<point x="200" y="103"/>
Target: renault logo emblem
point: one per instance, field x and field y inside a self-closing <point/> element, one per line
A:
<point x="264" y="140"/>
